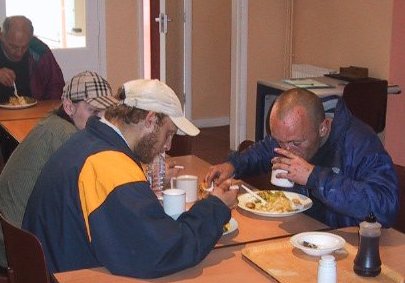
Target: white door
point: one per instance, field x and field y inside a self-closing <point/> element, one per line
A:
<point x="90" y="20"/>
<point x="174" y="23"/>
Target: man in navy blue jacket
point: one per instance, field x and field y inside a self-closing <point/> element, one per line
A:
<point x="338" y="162"/>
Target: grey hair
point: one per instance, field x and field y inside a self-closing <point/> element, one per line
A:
<point x="9" y="21"/>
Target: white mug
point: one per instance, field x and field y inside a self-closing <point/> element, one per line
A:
<point x="174" y="202"/>
<point x="188" y="183"/>
<point x="280" y="182"/>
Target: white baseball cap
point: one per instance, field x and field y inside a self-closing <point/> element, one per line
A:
<point x="156" y="96"/>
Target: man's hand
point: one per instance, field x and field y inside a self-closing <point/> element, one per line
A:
<point x="7" y="77"/>
<point x="219" y="173"/>
<point x="298" y="168"/>
<point x="224" y="193"/>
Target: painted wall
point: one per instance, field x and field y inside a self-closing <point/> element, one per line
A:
<point x="266" y="43"/>
<point x="341" y="33"/>
<point x="122" y="42"/>
<point x="211" y="59"/>
<point x="395" y="137"/>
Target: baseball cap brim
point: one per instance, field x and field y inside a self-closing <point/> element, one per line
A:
<point x="102" y="102"/>
<point x="184" y="125"/>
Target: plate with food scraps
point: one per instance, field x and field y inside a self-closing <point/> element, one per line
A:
<point x="230" y="227"/>
<point x="19" y="103"/>
<point x="279" y="203"/>
<point x="317" y="243"/>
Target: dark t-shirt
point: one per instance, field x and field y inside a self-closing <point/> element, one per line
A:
<point x="22" y="76"/>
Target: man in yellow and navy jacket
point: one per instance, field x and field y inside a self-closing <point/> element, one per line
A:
<point x="92" y="205"/>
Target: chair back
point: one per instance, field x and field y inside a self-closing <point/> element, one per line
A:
<point x="262" y="181"/>
<point x="400" y="222"/>
<point x="367" y="100"/>
<point x="26" y="259"/>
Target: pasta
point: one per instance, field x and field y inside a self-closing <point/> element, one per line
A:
<point x="276" y="202"/>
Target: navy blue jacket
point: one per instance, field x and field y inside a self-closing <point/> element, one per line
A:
<point x="353" y="173"/>
<point x="91" y="206"/>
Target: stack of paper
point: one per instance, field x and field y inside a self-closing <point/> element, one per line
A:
<point x="306" y="83"/>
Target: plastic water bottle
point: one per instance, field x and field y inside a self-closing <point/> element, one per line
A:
<point x="156" y="172"/>
<point x="367" y="262"/>
<point x="327" y="269"/>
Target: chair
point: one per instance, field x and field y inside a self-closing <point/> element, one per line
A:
<point x="26" y="259"/>
<point x="367" y="100"/>
<point x="400" y="222"/>
<point x="181" y="145"/>
<point x="261" y="181"/>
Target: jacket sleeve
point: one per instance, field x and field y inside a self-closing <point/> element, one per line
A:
<point x="128" y="230"/>
<point x="365" y="182"/>
<point x="47" y="80"/>
<point x="254" y="160"/>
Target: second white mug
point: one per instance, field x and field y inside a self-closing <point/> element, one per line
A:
<point x="280" y="182"/>
<point x="174" y="202"/>
<point x="188" y="183"/>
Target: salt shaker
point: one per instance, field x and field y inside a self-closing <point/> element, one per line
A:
<point x="327" y="269"/>
<point x="156" y="172"/>
<point x="367" y="262"/>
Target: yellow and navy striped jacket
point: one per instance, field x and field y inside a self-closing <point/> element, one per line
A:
<point x="92" y="206"/>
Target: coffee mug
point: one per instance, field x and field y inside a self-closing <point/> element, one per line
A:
<point x="174" y="202"/>
<point x="280" y="182"/>
<point x="188" y="183"/>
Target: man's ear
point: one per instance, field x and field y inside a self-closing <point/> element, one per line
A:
<point x="150" y="120"/>
<point x="69" y="107"/>
<point x="324" y="128"/>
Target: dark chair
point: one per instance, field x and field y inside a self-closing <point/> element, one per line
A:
<point x="400" y="222"/>
<point x="26" y="260"/>
<point x="181" y="145"/>
<point x="367" y="100"/>
<point x="261" y="181"/>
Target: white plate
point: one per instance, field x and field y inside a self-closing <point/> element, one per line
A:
<point x="30" y="102"/>
<point x="326" y="243"/>
<point x="234" y="226"/>
<point x="306" y="203"/>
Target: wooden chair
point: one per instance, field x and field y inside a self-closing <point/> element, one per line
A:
<point x="26" y="259"/>
<point x="261" y="181"/>
<point x="400" y="222"/>
<point x="181" y="145"/>
<point x="367" y="100"/>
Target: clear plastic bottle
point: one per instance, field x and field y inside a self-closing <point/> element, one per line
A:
<point x="327" y="269"/>
<point x="367" y="262"/>
<point x="156" y="172"/>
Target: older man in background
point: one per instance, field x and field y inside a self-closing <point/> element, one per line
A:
<point x="27" y="62"/>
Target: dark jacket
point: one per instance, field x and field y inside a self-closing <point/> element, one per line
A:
<point x="353" y="173"/>
<point x="92" y="206"/>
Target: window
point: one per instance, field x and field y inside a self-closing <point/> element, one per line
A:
<point x="61" y="25"/>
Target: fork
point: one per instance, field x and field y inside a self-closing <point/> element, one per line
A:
<point x="15" y="90"/>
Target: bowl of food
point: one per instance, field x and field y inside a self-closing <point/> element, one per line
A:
<point x="317" y="243"/>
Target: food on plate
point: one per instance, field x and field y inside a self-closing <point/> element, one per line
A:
<point x="227" y="227"/>
<point x="277" y="201"/>
<point x="17" y="100"/>
<point x="202" y="190"/>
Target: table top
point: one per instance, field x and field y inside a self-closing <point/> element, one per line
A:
<point x="228" y="265"/>
<point x="19" y="129"/>
<point x="40" y="110"/>
<point x="336" y="88"/>
<point x="252" y="228"/>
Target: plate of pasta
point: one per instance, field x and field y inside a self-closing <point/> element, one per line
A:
<point x="19" y="102"/>
<point x="279" y="203"/>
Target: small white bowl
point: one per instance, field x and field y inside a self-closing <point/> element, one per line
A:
<point x="325" y="243"/>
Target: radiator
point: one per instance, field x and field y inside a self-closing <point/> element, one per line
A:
<point x="307" y="71"/>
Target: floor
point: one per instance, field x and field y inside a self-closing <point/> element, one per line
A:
<point x="212" y="144"/>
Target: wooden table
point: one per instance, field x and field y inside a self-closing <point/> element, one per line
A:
<point x="19" y="129"/>
<point x="228" y="265"/>
<point x="252" y="228"/>
<point x="40" y="110"/>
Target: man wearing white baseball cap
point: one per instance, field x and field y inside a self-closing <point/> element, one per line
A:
<point x="108" y="214"/>
<point x="86" y="94"/>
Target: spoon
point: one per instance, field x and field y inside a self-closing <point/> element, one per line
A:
<point x="15" y="90"/>
<point x="252" y="193"/>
